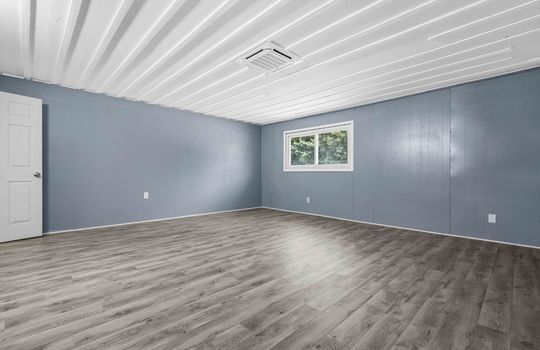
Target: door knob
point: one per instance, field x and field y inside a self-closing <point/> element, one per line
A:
<point x="37" y="174"/>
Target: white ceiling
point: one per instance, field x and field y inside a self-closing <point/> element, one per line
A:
<point x="184" y="53"/>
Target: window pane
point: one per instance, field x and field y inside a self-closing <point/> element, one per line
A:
<point x="303" y="150"/>
<point x="333" y="147"/>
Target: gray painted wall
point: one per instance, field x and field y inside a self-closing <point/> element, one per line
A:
<point x="438" y="161"/>
<point x="101" y="153"/>
<point x="496" y="158"/>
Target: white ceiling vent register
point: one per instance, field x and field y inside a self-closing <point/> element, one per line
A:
<point x="269" y="58"/>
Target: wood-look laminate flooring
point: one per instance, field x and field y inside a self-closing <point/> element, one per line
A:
<point x="265" y="279"/>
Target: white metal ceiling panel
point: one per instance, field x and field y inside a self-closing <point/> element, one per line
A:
<point x="184" y="53"/>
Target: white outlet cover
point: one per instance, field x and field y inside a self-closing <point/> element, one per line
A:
<point x="146" y="195"/>
<point x="308" y="200"/>
<point x="492" y="218"/>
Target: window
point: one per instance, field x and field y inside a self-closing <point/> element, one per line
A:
<point x="322" y="148"/>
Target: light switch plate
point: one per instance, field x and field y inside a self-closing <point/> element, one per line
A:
<point x="492" y="218"/>
<point x="146" y="195"/>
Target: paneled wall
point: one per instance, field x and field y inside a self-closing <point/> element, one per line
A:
<point x="438" y="161"/>
<point x="101" y="153"/>
<point x="496" y="158"/>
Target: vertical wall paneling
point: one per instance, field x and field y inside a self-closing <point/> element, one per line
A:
<point x="496" y="158"/>
<point x="438" y="161"/>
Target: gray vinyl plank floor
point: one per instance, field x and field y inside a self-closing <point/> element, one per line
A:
<point x="265" y="279"/>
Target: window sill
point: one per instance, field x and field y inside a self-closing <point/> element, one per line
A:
<point x="319" y="170"/>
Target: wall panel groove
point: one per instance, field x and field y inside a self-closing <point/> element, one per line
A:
<point x="438" y="161"/>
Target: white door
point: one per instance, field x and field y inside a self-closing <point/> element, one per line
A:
<point x="20" y="167"/>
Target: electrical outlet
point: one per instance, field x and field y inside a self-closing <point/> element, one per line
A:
<point x="146" y="195"/>
<point x="308" y="200"/>
<point x="492" y="218"/>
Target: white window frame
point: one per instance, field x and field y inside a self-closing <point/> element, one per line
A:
<point x="316" y="131"/>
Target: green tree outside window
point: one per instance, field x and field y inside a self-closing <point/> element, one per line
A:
<point x="333" y="147"/>
<point x="303" y="150"/>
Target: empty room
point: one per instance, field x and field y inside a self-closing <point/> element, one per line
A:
<point x="269" y="174"/>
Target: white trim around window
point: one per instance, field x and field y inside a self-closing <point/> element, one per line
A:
<point x="315" y="131"/>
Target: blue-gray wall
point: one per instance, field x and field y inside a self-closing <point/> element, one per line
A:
<point x="101" y="153"/>
<point x="438" y="161"/>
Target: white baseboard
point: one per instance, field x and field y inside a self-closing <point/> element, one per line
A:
<point x="403" y="228"/>
<point x="152" y="220"/>
<point x="296" y="212"/>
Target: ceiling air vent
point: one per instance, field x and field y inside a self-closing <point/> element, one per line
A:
<point x="269" y="58"/>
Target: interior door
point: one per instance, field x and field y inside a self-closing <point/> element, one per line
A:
<point x="20" y="167"/>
